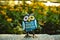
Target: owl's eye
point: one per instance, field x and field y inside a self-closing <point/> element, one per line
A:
<point x="31" y="17"/>
<point x="25" y="18"/>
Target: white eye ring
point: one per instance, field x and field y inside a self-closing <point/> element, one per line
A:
<point x="25" y="18"/>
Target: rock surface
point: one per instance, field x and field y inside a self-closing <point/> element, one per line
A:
<point x="56" y="37"/>
<point x="21" y="37"/>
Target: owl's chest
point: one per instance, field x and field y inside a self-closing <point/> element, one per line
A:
<point x="29" y="24"/>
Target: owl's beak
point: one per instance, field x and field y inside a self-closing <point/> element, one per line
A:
<point x="28" y="20"/>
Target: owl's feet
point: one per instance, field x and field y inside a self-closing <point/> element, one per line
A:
<point x="34" y="36"/>
<point x="27" y="36"/>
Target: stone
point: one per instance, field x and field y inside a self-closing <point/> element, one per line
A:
<point x="56" y="37"/>
<point x="21" y="37"/>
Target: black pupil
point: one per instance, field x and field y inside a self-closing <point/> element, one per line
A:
<point x="25" y="18"/>
<point x="31" y="17"/>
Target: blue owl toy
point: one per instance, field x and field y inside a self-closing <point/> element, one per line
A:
<point x="29" y="24"/>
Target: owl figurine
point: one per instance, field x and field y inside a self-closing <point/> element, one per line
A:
<point x="29" y="24"/>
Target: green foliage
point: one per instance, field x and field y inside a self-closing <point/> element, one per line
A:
<point x="11" y="17"/>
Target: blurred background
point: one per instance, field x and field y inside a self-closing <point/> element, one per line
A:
<point x="46" y="12"/>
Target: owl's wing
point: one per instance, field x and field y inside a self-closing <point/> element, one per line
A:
<point x="35" y="23"/>
<point x="23" y="25"/>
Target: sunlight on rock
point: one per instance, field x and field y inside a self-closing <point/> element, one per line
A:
<point x="21" y="37"/>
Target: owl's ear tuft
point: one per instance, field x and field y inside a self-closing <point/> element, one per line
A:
<point x="27" y="14"/>
<point x="32" y="14"/>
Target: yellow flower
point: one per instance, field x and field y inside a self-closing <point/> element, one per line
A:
<point x="39" y="11"/>
<point x="33" y="10"/>
<point x="58" y="6"/>
<point x="41" y="4"/>
<point x="34" y="6"/>
<point x="45" y="14"/>
<point x="11" y="9"/>
<point x="31" y="17"/>
<point x="31" y="5"/>
<point x="0" y="6"/>
<point x="9" y="19"/>
<point x="54" y="10"/>
<point x="26" y="9"/>
<point x="46" y="8"/>
<point x="35" y="3"/>
<point x="41" y="23"/>
<point x="4" y="7"/>
<point x="6" y="16"/>
<point x="16" y="9"/>
<point x="3" y="12"/>
<point x="21" y="8"/>
<point x="26" y="4"/>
